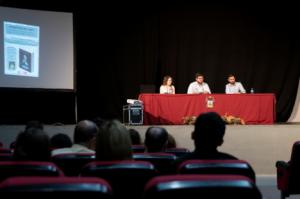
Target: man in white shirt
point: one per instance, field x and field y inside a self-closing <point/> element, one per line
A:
<point x="198" y="86"/>
<point x="84" y="139"/>
<point x="234" y="87"/>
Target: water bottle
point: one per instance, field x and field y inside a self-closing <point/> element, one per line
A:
<point x="252" y="90"/>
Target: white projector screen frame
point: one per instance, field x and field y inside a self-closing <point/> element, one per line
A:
<point x="36" y="49"/>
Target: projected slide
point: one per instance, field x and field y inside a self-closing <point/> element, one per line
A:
<point x="21" y="49"/>
<point x="36" y="49"/>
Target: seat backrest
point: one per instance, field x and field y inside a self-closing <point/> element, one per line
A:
<point x="28" y="168"/>
<point x="179" y="152"/>
<point x="72" y="163"/>
<point x="201" y="186"/>
<point x="5" y="150"/>
<point x="294" y="165"/>
<point x="138" y="148"/>
<point x="232" y="167"/>
<point x="56" y="186"/>
<point x="6" y="157"/>
<point x="163" y="162"/>
<point x="295" y="155"/>
<point x="127" y="178"/>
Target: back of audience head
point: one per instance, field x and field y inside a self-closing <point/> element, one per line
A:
<point x="34" y="124"/>
<point x="32" y="144"/>
<point x="98" y="121"/>
<point x="85" y="134"/>
<point x="60" y="140"/>
<point x="135" y="137"/>
<point x="171" y="142"/>
<point x="113" y="142"/>
<point x="209" y="131"/>
<point x="156" y="139"/>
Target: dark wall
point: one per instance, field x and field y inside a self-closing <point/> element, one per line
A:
<point x="120" y="46"/>
<point x="21" y="105"/>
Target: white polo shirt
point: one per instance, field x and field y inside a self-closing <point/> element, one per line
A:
<point x="237" y="87"/>
<point x="196" y="88"/>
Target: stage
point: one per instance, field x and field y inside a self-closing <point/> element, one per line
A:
<point x="260" y="145"/>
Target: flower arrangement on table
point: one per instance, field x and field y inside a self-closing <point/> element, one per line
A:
<point x="189" y="120"/>
<point x="228" y="119"/>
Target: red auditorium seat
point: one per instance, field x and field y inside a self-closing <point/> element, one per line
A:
<point x="72" y="163"/>
<point x="6" y="156"/>
<point x="233" y="167"/>
<point x="201" y="186"/>
<point x="4" y="150"/>
<point x="28" y="168"/>
<point x="163" y="162"/>
<point x="37" y="187"/>
<point x="288" y="173"/>
<point x="127" y="178"/>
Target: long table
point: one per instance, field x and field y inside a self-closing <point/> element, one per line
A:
<point x="171" y="109"/>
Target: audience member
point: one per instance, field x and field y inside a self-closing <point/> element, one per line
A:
<point x="34" y="124"/>
<point x="208" y="135"/>
<point x="156" y="139"/>
<point x="32" y="144"/>
<point x="84" y="139"/>
<point x="98" y="121"/>
<point x="135" y="137"/>
<point x="60" y="140"/>
<point x="113" y="142"/>
<point x="171" y="141"/>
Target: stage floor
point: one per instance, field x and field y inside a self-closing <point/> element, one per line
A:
<point x="260" y="145"/>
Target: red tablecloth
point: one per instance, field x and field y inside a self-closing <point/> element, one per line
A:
<point x="170" y="109"/>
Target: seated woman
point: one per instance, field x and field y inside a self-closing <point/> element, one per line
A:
<point x="113" y="142"/>
<point x="167" y="87"/>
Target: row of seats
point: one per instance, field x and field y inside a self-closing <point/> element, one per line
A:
<point x="176" y="151"/>
<point x="161" y="187"/>
<point x="135" y="148"/>
<point x="5" y="150"/>
<point x="162" y="163"/>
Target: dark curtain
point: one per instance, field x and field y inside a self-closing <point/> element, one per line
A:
<point x="259" y="44"/>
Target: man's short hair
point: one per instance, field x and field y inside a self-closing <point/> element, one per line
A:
<point x="198" y="75"/>
<point x="135" y="137"/>
<point x="84" y="131"/>
<point x="60" y="140"/>
<point x="34" y="124"/>
<point x="209" y="130"/>
<point x="156" y="139"/>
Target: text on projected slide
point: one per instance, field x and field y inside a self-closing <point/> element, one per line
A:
<point x="21" y="49"/>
